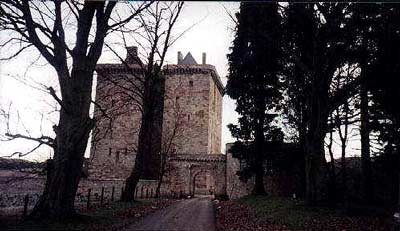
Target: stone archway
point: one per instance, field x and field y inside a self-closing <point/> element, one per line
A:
<point x="203" y="182"/>
<point x="186" y="167"/>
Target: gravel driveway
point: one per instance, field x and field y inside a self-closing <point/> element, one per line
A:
<point x="191" y="214"/>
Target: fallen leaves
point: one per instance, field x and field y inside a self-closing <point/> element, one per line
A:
<point x="233" y="215"/>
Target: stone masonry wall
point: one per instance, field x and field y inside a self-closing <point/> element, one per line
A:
<point x="192" y="101"/>
<point x="186" y="103"/>
<point x="277" y="184"/>
<point x="118" y="123"/>
<point x="215" y="118"/>
<point x="193" y="95"/>
<point x="13" y="189"/>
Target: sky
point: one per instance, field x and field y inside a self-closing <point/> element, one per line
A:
<point x="33" y="110"/>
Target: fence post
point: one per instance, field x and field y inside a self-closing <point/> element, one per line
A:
<point x="88" y="199"/>
<point x="102" y="195"/>
<point x="26" y="202"/>
<point x="112" y="193"/>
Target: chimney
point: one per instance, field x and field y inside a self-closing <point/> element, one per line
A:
<point x="131" y="55"/>
<point x="204" y="58"/>
<point x="180" y="57"/>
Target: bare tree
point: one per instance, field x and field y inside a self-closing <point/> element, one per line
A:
<point x="43" y="25"/>
<point x="170" y="132"/>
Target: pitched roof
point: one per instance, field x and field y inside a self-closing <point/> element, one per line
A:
<point x="189" y="60"/>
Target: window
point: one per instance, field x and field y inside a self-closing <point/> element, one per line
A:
<point x="126" y="151"/>
<point x="191" y="83"/>
<point x="188" y="117"/>
<point x="201" y="114"/>
<point x="117" y="156"/>
<point x="111" y="128"/>
<point x="109" y="151"/>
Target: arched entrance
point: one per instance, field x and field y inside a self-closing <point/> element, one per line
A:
<point x="203" y="183"/>
<point x="199" y="174"/>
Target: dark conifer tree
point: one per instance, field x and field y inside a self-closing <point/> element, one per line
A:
<point x="253" y="81"/>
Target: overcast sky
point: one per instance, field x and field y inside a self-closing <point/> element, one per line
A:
<point x="212" y="33"/>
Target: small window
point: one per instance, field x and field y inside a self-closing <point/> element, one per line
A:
<point x="188" y="117"/>
<point x="109" y="151"/>
<point x="126" y="151"/>
<point x="191" y="83"/>
<point x="111" y="128"/>
<point x="117" y="156"/>
<point x="201" y="114"/>
<point x="112" y="103"/>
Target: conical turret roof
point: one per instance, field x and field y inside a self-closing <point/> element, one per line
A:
<point x="189" y="60"/>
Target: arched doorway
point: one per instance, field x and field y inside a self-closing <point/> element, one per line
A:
<point x="203" y="183"/>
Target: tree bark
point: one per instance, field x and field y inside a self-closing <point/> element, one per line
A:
<point x="145" y="153"/>
<point x="315" y="170"/>
<point x="332" y="170"/>
<point x="365" y="147"/>
<point x="316" y="179"/>
<point x="144" y="148"/>
<point x="259" y="141"/>
<point x="343" y="138"/>
<point x="72" y="133"/>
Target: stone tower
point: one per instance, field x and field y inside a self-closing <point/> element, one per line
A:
<point x="193" y="92"/>
<point x="192" y="98"/>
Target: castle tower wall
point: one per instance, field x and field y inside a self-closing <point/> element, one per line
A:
<point x="115" y="138"/>
<point x="215" y="118"/>
<point x="189" y="113"/>
<point x="193" y="99"/>
<point x="186" y="106"/>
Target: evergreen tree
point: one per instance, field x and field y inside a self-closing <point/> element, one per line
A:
<point x="253" y="81"/>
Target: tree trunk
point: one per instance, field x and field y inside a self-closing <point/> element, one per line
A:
<point x="315" y="170"/>
<point x="343" y="138"/>
<point x="145" y="141"/>
<point x="162" y="173"/>
<point x="302" y="144"/>
<point x="344" y="173"/>
<point x="365" y="147"/>
<point x="316" y="179"/>
<point x="72" y="134"/>
<point x="259" y="141"/>
<point x="144" y="148"/>
<point x="332" y="170"/>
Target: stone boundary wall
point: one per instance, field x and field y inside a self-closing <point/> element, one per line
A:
<point x="276" y="185"/>
<point x="13" y="190"/>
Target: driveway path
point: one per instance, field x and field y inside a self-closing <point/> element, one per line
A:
<point x="195" y="214"/>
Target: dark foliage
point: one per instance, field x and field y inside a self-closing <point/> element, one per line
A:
<point x="254" y="83"/>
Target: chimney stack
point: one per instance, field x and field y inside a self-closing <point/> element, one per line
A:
<point x="131" y="54"/>
<point x="180" y="57"/>
<point x="204" y="58"/>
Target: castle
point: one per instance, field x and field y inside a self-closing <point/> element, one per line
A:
<point x="188" y="114"/>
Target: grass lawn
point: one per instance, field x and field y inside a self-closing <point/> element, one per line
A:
<point x="278" y="213"/>
<point x="113" y="216"/>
